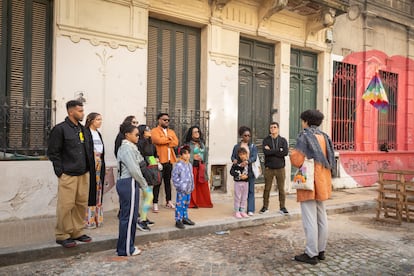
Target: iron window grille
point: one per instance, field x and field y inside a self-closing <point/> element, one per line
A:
<point x="344" y="106"/>
<point x="387" y="121"/>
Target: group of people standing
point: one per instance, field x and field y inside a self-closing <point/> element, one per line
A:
<point x="244" y="155"/>
<point x="311" y="143"/>
<point x="77" y="154"/>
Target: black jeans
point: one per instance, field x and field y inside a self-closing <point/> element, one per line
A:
<point x="166" y="176"/>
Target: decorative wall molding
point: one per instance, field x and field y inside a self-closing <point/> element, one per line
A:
<point x="228" y="60"/>
<point x="224" y="45"/>
<point x="112" y="23"/>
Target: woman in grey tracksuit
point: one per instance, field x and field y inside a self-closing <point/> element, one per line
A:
<point x="130" y="178"/>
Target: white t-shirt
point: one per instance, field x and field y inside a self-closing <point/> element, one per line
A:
<point x="97" y="142"/>
<point x="168" y="150"/>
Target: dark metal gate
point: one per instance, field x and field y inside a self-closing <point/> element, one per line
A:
<point x="181" y="120"/>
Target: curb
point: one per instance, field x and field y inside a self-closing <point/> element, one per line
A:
<point x="52" y="250"/>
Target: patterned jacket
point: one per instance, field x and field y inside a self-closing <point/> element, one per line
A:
<point x="182" y="177"/>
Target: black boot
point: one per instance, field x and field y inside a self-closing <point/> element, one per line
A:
<point x="306" y="259"/>
<point x="188" y="221"/>
<point x="179" y="224"/>
<point x="321" y="255"/>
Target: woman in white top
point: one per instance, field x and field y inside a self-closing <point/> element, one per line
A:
<point x="94" y="211"/>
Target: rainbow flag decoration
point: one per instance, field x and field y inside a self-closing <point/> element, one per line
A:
<point x="375" y="94"/>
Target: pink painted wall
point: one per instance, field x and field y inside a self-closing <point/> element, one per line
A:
<point x="363" y="163"/>
<point x="363" y="166"/>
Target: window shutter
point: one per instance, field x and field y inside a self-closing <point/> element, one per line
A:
<point x="173" y="68"/>
<point x="25" y="53"/>
<point x="16" y="72"/>
<point x="179" y="70"/>
<point x="152" y="70"/>
<point x="38" y="80"/>
<point x="193" y="95"/>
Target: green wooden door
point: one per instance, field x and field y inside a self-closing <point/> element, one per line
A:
<point x="256" y="89"/>
<point x="303" y="87"/>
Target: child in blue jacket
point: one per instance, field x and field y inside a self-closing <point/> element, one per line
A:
<point x="182" y="177"/>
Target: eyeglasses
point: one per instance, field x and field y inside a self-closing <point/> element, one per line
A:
<point x="134" y="122"/>
<point x="166" y="120"/>
<point x="246" y="135"/>
<point x="196" y="131"/>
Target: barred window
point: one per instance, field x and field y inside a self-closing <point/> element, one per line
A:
<point x="25" y="67"/>
<point x="344" y="106"/>
<point x="387" y="121"/>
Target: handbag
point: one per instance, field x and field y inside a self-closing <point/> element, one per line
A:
<point x="257" y="168"/>
<point x="151" y="173"/>
<point x="304" y="176"/>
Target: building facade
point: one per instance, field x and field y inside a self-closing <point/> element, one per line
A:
<point x="217" y="63"/>
<point x="373" y="37"/>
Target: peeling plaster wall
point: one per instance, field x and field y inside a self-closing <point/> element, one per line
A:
<point x="28" y="189"/>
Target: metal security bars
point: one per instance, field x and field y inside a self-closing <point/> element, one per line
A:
<point x="344" y="106"/>
<point x="181" y="120"/>
<point x="25" y="77"/>
<point x="24" y="129"/>
<point x="387" y="122"/>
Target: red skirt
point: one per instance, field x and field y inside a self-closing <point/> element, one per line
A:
<point x="200" y="197"/>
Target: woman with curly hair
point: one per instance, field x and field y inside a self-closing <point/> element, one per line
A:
<point x="200" y="197"/>
<point x="245" y="135"/>
<point x="312" y="143"/>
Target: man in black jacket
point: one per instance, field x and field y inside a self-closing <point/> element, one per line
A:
<point x="275" y="148"/>
<point x="71" y="153"/>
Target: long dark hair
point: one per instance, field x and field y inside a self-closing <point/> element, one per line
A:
<point x="91" y="116"/>
<point x="189" y="135"/>
<point x="126" y="128"/>
<point x="141" y="130"/>
<point x="128" y="119"/>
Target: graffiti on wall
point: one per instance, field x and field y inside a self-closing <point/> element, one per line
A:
<point x="362" y="166"/>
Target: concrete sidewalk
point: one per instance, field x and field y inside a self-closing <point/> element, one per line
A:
<point x="33" y="239"/>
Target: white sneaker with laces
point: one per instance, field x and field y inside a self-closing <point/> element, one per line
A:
<point x="136" y="251"/>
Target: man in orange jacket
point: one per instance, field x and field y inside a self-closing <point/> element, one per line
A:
<point x="164" y="140"/>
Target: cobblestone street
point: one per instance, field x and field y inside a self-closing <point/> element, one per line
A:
<point x="358" y="245"/>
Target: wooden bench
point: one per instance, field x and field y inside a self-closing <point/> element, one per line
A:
<point x="395" y="195"/>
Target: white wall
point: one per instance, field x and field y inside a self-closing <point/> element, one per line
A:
<point x="28" y="189"/>
<point x="113" y="81"/>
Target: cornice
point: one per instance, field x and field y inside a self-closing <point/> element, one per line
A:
<point x="100" y="38"/>
<point x="228" y="60"/>
<point x="114" y="23"/>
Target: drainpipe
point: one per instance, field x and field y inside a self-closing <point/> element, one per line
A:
<point x="364" y="68"/>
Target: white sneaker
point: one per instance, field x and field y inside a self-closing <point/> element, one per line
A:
<point x="155" y="208"/>
<point x="250" y="214"/>
<point x="136" y="251"/>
